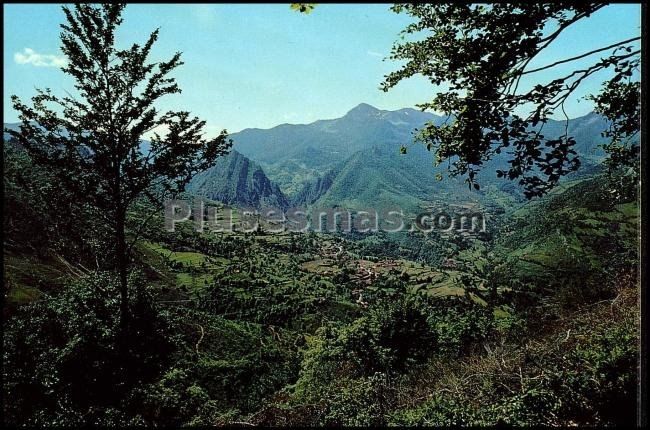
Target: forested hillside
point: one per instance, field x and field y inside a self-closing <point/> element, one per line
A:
<point x="312" y="329"/>
<point x="236" y="180"/>
<point x="355" y="156"/>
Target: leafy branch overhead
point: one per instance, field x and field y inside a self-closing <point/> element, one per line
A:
<point x="305" y="8"/>
<point x="619" y="103"/>
<point x="480" y="53"/>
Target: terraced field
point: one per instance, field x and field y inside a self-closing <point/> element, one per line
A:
<point x="271" y="261"/>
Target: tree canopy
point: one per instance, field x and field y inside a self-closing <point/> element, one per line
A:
<point x="479" y="54"/>
<point x="93" y="141"/>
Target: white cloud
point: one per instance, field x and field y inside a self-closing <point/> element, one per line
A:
<point x="375" y="54"/>
<point x="29" y="56"/>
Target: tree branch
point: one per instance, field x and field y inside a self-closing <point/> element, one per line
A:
<point x="577" y="57"/>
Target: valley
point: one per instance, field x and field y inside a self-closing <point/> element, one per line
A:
<point x="429" y="215"/>
<point x="302" y="296"/>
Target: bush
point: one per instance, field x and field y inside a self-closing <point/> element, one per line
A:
<point x="61" y="357"/>
<point x="389" y="338"/>
<point x="63" y="366"/>
<point x="230" y="372"/>
<point x="394" y="338"/>
<point x="358" y="402"/>
<point x="581" y="373"/>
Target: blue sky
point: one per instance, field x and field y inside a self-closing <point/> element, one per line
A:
<point x="263" y="65"/>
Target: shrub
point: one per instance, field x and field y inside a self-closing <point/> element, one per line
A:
<point x="61" y="354"/>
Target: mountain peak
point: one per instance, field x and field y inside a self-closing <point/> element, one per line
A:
<point x="363" y="109"/>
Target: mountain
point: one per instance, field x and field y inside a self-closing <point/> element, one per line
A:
<point x="355" y="161"/>
<point x="314" y="189"/>
<point x="236" y="180"/>
<point x="334" y="140"/>
<point x="380" y="177"/>
<point x="586" y="130"/>
<point x="14" y="126"/>
<point x="294" y="154"/>
<point x="233" y="180"/>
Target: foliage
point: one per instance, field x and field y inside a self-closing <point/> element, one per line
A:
<point x="460" y="44"/>
<point x="619" y="102"/>
<point x="37" y="214"/>
<point x="60" y="354"/>
<point x="230" y="370"/>
<point x="558" y="378"/>
<point x="305" y="8"/>
<point x="92" y="143"/>
<point x="183" y="367"/>
<point x="393" y="337"/>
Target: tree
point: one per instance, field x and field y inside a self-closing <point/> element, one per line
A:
<point x="481" y="53"/>
<point x="619" y="103"/>
<point x="93" y="142"/>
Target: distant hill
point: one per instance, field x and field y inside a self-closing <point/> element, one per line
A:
<point x="236" y="180"/>
<point x="379" y="177"/>
<point x="576" y="226"/>
<point x="315" y="189"/>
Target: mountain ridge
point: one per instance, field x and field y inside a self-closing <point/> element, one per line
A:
<point x="320" y="162"/>
<point x="306" y="159"/>
<point x="236" y="180"/>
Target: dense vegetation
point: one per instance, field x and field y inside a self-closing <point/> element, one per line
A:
<point x="537" y="324"/>
<point x="532" y="322"/>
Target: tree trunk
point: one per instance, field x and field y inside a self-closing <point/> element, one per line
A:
<point x="123" y="337"/>
<point x="122" y="266"/>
